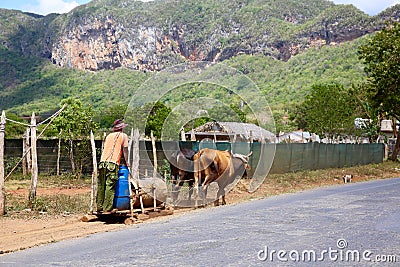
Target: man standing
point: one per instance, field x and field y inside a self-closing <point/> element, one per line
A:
<point x="115" y="145"/>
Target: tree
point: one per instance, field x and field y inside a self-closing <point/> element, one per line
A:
<point x="74" y="125"/>
<point x="157" y="113"/>
<point x="329" y="109"/>
<point x="381" y="57"/>
<point x="109" y="115"/>
<point x="370" y="126"/>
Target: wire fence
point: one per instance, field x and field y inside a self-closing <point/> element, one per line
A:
<point x="284" y="157"/>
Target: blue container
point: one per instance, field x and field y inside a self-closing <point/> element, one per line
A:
<point x="121" y="197"/>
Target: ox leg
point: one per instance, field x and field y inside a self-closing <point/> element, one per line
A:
<point x="205" y="195"/>
<point x="174" y="193"/>
<point x="176" y="190"/>
<point x="221" y="193"/>
<point x="200" y="196"/>
<point x="216" y="202"/>
<point x="196" y="191"/>
<point x="190" y="190"/>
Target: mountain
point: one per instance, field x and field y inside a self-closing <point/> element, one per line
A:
<point x="47" y="58"/>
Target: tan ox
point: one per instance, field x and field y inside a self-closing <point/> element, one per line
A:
<point x="217" y="166"/>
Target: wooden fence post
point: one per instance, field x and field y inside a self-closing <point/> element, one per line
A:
<point x="135" y="166"/>
<point x="28" y="154"/>
<point x="192" y="136"/>
<point x="24" y="151"/>
<point x="129" y="160"/>
<point x="135" y="155"/>
<point x="2" y="187"/>
<point x="59" y="153"/>
<point x="94" y="173"/>
<point x="183" y="136"/>
<point x="32" y="191"/>
<point x="153" y="144"/>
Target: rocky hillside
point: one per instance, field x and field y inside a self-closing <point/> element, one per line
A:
<point x="107" y="34"/>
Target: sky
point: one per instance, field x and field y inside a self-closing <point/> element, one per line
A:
<point x="44" y="7"/>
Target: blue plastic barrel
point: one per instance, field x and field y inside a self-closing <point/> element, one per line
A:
<point x="121" y="197"/>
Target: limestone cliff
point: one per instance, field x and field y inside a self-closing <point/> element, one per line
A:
<point x="150" y="36"/>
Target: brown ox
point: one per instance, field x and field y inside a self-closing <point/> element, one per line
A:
<point x="217" y="166"/>
<point x="181" y="166"/>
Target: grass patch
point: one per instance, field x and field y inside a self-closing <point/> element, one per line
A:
<point x="56" y="195"/>
<point x="61" y="204"/>
<point x="298" y="181"/>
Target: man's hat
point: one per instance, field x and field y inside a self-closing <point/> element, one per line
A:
<point x="119" y="125"/>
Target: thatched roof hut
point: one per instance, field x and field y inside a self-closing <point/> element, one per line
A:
<point x="231" y="131"/>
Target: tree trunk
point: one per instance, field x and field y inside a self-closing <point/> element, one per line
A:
<point x="71" y="157"/>
<point x="396" y="148"/>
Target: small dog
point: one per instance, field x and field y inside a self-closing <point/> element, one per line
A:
<point x="347" y="178"/>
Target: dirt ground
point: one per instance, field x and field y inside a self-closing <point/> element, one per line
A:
<point x="17" y="234"/>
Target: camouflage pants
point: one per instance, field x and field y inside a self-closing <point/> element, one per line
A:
<point x="106" y="183"/>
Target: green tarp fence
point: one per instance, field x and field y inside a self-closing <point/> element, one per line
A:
<point x="272" y="158"/>
<point x="284" y="158"/>
<point x="313" y="156"/>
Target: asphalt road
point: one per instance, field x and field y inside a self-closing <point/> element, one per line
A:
<point x="347" y="225"/>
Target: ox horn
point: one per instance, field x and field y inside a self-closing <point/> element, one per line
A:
<point x="251" y="153"/>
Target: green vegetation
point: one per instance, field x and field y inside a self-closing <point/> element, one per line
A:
<point x="328" y="109"/>
<point x="75" y="123"/>
<point x="257" y="32"/>
<point x="33" y="84"/>
<point x="285" y="83"/>
<point x="382" y="65"/>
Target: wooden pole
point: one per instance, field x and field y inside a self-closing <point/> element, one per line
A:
<point x="192" y="136"/>
<point x="28" y="145"/>
<point x="24" y="147"/>
<point x="94" y="174"/>
<point x="32" y="191"/>
<point x="130" y="180"/>
<point x="130" y="143"/>
<point x="2" y="186"/>
<point x="183" y="136"/>
<point x="102" y="142"/>
<point x="135" y="155"/>
<point x="153" y="144"/>
<point x="135" y="166"/>
<point x="59" y="153"/>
